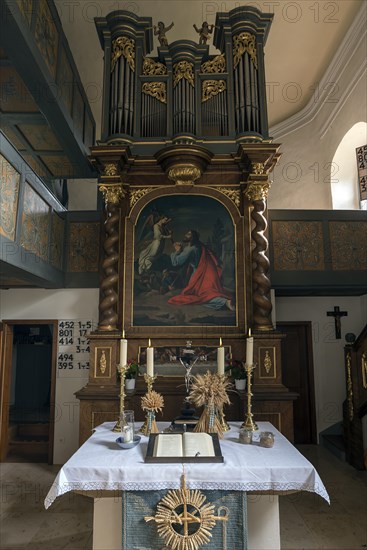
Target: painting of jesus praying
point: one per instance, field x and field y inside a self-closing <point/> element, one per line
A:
<point x="184" y="263"/>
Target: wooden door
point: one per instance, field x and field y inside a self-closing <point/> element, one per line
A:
<point x="297" y="370"/>
<point x="6" y="361"/>
<point x="6" y="354"/>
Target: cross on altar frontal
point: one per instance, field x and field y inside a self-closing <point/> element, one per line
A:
<point x="337" y="314"/>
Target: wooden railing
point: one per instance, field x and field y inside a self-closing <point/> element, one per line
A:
<point x="355" y="406"/>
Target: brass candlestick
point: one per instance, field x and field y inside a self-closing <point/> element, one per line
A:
<point x="149" y="381"/>
<point x="220" y="412"/>
<point x="121" y="369"/>
<point x="249" y="424"/>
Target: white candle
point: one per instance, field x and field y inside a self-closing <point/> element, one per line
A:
<point x="250" y="351"/>
<point x="123" y="350"/>
<point x="220" y="358"/>
<point x="127" y="435"/>
<point x="150" y="360"/>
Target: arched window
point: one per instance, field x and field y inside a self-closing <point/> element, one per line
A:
<point x="344" y="177"/>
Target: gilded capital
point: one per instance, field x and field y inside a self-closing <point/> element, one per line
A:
<point x="257" y="190"/>
<point x="184" y="174"/>
<point x="112" y="193"/>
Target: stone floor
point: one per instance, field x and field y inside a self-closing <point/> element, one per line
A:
<point x="307" y="522"/>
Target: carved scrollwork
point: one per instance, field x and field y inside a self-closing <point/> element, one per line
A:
<point x="103" y="362"/>
<point x="110" y="169"/>
<point x="183" y="69"/>
<point x="267" y="362"/>
<point x="233" y="194"/>
<point x="151" y="67"/>
<point x="216" y="65"/>
<point x="257" y="190"/>
<point x="258" y="168"/>
<point x="137" y="194"/>
<point x="244" y="42"/>
<point x="123" y="46"/>
<point x="156" y="89"/>
<point x="211" y="88"/>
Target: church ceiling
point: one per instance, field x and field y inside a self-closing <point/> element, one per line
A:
<point x="44" y="109"/>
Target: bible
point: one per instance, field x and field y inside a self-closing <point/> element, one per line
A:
<point x="185" y="447"/>
<point x="186" y="444"/>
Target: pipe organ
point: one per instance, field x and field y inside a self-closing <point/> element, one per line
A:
<point x="185" y="92"/>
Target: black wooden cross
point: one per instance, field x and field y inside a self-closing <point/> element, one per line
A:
<point x="337" y="314"/>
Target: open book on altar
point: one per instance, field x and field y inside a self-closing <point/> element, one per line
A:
<point x="185" y="447"/>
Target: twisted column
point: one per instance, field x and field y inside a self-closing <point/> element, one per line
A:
<point x="108" y="315"/>
<point x="257" y="192"/>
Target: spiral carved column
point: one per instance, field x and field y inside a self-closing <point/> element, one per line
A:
<point x="108" y="314"/>
<point x="257" y="192"/>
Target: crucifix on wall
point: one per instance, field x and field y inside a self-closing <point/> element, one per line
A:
<point x="337" y="314"/>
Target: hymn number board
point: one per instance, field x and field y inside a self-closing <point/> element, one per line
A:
<point x="362" y="171"/>
<point x="73" y="346"/>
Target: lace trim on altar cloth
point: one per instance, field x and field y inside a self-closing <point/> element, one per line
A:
<point x="58" y="490"/>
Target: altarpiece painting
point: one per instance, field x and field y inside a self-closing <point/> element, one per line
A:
<point x="184" y="263"/>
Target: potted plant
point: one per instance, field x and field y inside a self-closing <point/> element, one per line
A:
<point x="238" y="374"/>
<point x="131" y="374"/>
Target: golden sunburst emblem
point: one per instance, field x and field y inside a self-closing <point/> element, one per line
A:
<point x="184" y="521"/>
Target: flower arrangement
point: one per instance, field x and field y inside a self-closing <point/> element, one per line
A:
<point x="236" y="370"/>
<point x="132" y="370"/>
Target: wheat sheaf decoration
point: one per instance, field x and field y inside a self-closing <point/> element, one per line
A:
<point x="209" y="390"/>
<point x="184" y="520"/>
<point x="152" y="402"/>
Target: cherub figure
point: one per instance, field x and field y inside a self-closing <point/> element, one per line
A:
<point x="204" y="31"/>
<point x="160" y="31"/>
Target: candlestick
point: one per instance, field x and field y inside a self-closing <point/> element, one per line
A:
<point x="123" y="349"/>
<point x="149" y="380"/>
<point x="220" y="412"/>
<point x="249" y="424"/>
<point x="121" y="369"/>
<point x="150" y="360"/>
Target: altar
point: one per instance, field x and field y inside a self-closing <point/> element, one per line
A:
<point x="103" y="471"/>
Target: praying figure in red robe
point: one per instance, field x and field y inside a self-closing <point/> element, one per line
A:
<point x="204" y="286"/>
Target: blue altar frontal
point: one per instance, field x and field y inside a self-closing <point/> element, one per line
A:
<point x="229" y="533"/>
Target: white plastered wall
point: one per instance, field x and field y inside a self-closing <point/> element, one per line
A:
<point x="328" y="353"/>
<point x="309" y="139"/>
<point x="40" y="304"/>
<point x="82" y="194"/>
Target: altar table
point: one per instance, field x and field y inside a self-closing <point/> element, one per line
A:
<point x="100" y="465"/>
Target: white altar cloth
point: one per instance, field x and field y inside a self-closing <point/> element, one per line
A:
<point x="101" y="465"/>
